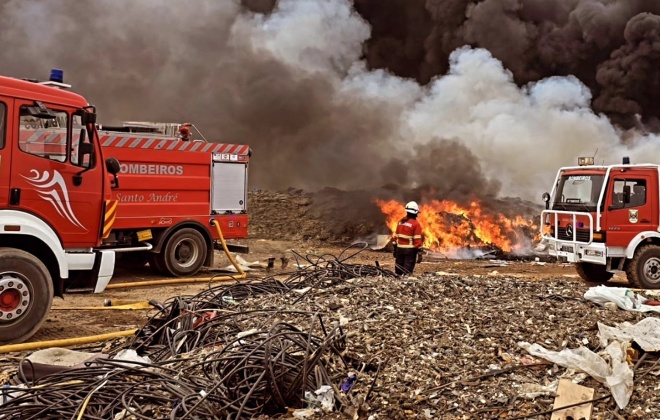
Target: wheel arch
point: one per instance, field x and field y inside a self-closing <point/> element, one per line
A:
<point x="642" y="238"/>
<point x="35" y="236"/>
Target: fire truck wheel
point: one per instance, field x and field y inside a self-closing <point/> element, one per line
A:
<point x="184" y="253"/>
<point x="26" y="294"/>
<point x="593" y="273"/>
<point x="643" y="271"/>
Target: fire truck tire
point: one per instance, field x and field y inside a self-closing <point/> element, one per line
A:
<point x="26" y="295"/>
<point x="593" y="273"/>
<point x="643" y="271"/>
<point x="156" y="264"/>
<point x="184" y="253"/>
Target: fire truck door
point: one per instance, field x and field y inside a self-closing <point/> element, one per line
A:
<point x="5" y="149"/>
<point x="47" y="179"/>
<point x="626" y="217"/>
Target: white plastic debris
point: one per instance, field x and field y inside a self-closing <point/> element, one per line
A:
<point x="324" y="396"/>
<point x="624" y="298"/>
<point x="646" y="333"/>
<point x="130" y="355"/>
<point x="616" y="375"/>
<point x="531" y="391"/>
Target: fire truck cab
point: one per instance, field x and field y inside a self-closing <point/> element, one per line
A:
<point x="606" y="219"/>
<point x="53" y="199"/>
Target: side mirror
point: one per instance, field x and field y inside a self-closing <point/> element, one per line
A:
<point x="113" y="167"/>
<point x="546" y="200"/>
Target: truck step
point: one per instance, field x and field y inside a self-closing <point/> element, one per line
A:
<point x="79" y="290"/>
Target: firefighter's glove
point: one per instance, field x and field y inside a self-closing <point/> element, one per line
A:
<point x="419" y="256"/>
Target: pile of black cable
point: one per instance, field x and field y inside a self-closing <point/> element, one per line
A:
<point x="187" y="322"/>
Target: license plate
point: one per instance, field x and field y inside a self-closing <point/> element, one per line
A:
<point x="566" y="248"/>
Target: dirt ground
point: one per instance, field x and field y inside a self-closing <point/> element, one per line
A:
<point x="65" y="321"/>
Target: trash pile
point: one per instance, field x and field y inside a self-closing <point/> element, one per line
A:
<point x="338" y="340"/>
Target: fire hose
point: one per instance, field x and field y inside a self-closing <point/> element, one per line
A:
<point x="138" y="305"/>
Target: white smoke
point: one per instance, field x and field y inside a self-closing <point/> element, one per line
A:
<point x="311" y="35"/>
<point x="521" y="136"/>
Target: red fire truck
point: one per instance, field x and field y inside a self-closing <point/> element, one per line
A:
<point x="68" y="206"/>
<point x="605" y="219"/>
<point x="53" y="207"/>
<point x="169" y="190"/>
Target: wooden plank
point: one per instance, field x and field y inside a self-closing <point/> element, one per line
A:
<point x="569" y="393"/>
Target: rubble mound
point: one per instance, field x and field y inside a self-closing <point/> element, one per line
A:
<point x="342" y="217"/>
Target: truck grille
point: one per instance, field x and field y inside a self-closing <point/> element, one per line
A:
<point x="581" y="236"/>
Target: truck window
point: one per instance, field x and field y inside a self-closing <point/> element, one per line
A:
<point x="3" y="116"/>
<point x="637" y="192"/>
<point x="44" y="137"/>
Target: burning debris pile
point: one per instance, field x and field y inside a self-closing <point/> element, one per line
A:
<point x="335" y="339"/>
<point x="453" y="230"/>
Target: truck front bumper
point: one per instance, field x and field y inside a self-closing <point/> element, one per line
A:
<point x="573" y="252"/>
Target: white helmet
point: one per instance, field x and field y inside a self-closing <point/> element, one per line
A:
<point x="412" y="207"/>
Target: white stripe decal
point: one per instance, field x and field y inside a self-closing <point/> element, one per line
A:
<point x="123" y="141"/>
<point x="46" y="187"/>
<point x="108" y="142"/>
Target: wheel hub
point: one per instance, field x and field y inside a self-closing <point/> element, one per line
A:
<point x="186" y="253"/>
<point x="14" y="297"/>
<point x="652" y="269"/>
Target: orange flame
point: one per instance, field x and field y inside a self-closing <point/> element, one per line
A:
<point x="447" y="226"/>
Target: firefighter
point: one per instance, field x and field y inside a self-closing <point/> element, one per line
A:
<point x="408" y="241"/>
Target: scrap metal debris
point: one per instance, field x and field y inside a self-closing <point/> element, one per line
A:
<point x="339" y="340"/>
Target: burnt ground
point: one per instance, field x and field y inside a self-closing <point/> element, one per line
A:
<point x="439" y="336"/>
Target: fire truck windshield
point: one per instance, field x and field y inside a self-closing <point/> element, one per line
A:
<point x="578" y="192"/>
